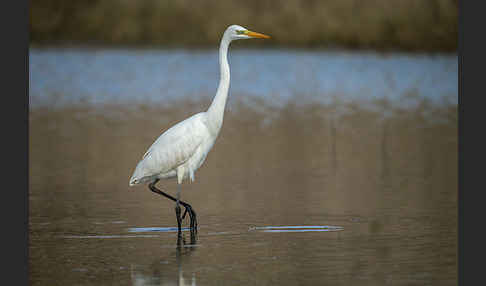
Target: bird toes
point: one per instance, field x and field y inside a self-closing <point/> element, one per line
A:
<point x="184" y="215"/>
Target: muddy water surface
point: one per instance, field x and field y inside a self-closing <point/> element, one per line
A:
<point x="382" y="190"/>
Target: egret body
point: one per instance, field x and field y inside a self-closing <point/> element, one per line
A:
<point x="182" y="149"/>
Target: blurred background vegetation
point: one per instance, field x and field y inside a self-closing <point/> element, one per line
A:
<point x="411" y="25"/>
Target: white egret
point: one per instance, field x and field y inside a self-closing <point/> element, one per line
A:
<point x="182" y="149"/>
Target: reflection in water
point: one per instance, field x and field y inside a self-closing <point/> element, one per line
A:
<point x="161" y="276"/>
<point x="157" y="229"/>
<point x="184" y="249"/>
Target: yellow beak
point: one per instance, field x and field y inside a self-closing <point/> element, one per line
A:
<point x="256" y="35"/>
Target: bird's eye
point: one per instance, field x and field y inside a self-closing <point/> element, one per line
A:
<point x="239" y="32"/>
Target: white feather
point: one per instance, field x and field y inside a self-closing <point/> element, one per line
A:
<point x="182" y="149"/>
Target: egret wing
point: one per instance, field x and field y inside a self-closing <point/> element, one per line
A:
<point x="175" y="146"/>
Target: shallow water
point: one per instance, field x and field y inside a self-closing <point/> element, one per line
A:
<point x="295" y="193"/>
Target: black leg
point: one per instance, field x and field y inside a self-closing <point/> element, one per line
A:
<point x="179" y="219"/>
<point x="188" y="208"/>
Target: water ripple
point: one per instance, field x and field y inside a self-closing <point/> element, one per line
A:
<point x="296" y="228"/>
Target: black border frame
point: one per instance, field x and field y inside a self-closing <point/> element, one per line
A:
<point x="15" y="123"/>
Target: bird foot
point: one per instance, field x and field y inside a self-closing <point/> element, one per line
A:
<point x="192" y="215"/>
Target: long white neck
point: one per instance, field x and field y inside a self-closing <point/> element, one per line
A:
<point x="215" y="111"/>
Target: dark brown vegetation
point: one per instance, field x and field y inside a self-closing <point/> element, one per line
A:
<point x="374" y="24"/>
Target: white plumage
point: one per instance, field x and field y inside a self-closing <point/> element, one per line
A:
<point x="178" y="151"/>
<point x="182" y="149"/>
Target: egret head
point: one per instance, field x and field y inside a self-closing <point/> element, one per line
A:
<point x="236" y="32"/>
